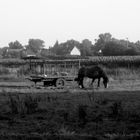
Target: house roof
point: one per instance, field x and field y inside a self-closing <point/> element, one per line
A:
<point x="14" y="50"/>
<point x="75" y="51"/>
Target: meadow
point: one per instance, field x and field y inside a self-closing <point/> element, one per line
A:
<point x="29" y="112"/>
<point x="71" y="113"/>
<point x="68" y="113"/>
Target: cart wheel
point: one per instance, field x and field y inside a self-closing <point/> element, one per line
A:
<point x="60" y="83"/>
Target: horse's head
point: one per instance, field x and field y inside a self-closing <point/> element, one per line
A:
<point x="105" y="81"/>
<point x="77" y="80"/>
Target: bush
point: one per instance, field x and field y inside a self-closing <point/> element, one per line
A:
<point x="113" y="49"/>
<point x="23" y="105"/>
<point x="4" y="70"/>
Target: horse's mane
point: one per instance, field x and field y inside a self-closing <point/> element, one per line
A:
<point x="100" y="68"/>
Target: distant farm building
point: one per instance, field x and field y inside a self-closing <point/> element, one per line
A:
<point x="75" y="51"/>
<point x="14" y="53"/>
<point x="29" y="53"/>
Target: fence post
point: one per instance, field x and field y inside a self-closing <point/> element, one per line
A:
<point x="79" y="63"/>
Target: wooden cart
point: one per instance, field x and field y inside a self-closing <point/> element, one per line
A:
<point x="57" y="81"/>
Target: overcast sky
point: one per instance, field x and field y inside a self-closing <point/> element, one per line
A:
<point x="62" y="20"/>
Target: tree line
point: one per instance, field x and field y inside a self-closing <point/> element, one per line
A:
<point x="105" y="45"/>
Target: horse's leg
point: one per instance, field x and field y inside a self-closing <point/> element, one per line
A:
<point x="81" y="82"/>
<point x="78" y="79"/>
<point x="98" y="83"/>
<point x="92" y="82"/>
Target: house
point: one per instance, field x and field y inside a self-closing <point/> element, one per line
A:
<point x="29" y="53"/>
<point x="14" y="53"/>
<point x="75" y="51"/>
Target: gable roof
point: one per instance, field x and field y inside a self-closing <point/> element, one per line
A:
<point x="75" y="51"/>
<point x="14" y="50"/>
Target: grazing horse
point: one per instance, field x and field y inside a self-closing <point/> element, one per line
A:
<point x="93" y="72"/>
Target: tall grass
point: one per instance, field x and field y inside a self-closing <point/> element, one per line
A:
<point x="123" y="73"/>
<point x="23" y="105"/>
<point x="66" y="114"/>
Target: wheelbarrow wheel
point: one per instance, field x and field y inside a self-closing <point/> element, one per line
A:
<point x="60" y="83"/>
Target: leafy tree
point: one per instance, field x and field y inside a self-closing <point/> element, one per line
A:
<point x="86" y="47"/>
<point x="133" y="49"/>
<point x="137" y="46"/>
<point x="100" y="43"/>
<point x="15" y="45"/>
<point x="112" y="49"/>
<point x="35" y="45"/>
<point x="138" y="43"/>
<point x="106" y="37"/>
<point x="56" y="49"/>
<point x="64" y="48"/>
<point x="86" y="43"/>
<point x="4" y="51"/>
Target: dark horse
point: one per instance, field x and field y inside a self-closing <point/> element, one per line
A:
<point x="93" y="72"/>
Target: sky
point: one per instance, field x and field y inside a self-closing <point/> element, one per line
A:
<point x="62" y="20"/>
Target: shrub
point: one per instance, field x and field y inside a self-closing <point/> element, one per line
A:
<point x="23" y="105"/>
<point x="82" y="114"/>
<point x="116" y="110"/>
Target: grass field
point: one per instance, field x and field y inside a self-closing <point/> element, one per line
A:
<point x="70" y="113"/>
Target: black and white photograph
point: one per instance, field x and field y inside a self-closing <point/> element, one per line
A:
<point x="69" y="70"/>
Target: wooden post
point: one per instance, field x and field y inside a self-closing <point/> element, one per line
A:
<point x="65" y="66"/>
<point x="79" y="63"/>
